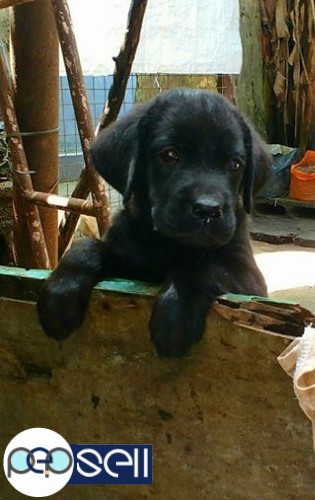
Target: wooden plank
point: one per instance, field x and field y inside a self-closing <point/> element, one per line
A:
<point x="24" y="284"/>
<point x="31" y="279"/>
<point x="233" y="427"/>
<point x="259" y="312"/>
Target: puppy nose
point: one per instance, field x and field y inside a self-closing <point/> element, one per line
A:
<point x="207" y="210"/>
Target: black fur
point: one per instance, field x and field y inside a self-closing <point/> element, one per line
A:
<point x="187" y="165"/>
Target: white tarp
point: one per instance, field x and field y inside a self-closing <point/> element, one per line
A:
<point x="178" y="36"/>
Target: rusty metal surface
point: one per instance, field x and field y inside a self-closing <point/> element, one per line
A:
<point x="36" y="82"/>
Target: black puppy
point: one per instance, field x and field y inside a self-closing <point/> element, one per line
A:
<point x="187" y="164"/>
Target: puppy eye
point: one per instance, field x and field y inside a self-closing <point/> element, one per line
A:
<point x="169" y="156"/>
<point x="235" y="164"/>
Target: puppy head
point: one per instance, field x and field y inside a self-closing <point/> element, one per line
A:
<point x="186" y="158"/>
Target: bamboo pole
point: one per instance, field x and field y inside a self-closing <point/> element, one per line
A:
<point x="25" y="215"/>
<point x="62" y="203"/>
<point x="123" y="63"/>
<point x="90" y="180"/>
<point x="35" y="64"/>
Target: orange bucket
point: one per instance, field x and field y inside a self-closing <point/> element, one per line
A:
<point x="302" y="181"/>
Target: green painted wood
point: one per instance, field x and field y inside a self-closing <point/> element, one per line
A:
<point x="112" y="285"/>
<point x="250" y="298"/>
<point x="132" y="287"/>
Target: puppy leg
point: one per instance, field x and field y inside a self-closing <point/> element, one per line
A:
<point x="122" y="253"/>
<point x="65" y="295"/>
<point x="179" y="315"/>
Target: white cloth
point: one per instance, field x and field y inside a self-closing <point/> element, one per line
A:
<point x="178" y="36"/>
<point x="298" y="360"/>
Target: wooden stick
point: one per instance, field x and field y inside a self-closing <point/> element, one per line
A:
<point x="89" y="179"/>
<point x="76" y="205"/>
<point x="12" y="3"/>
<point x="24" y="212"/>
<point x="112" y="107"/>
<point x="123" y="63"/>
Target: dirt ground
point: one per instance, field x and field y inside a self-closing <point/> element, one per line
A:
<point x="289" y="271"/>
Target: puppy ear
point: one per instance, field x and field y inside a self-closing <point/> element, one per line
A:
<point x="257" y="165"/>
<point x="116" y="153"/>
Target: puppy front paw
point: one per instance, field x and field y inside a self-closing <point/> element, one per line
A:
<point x="173" y="330"/>
<point x="169" y="343"/>
<point x="61" y="308"/>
